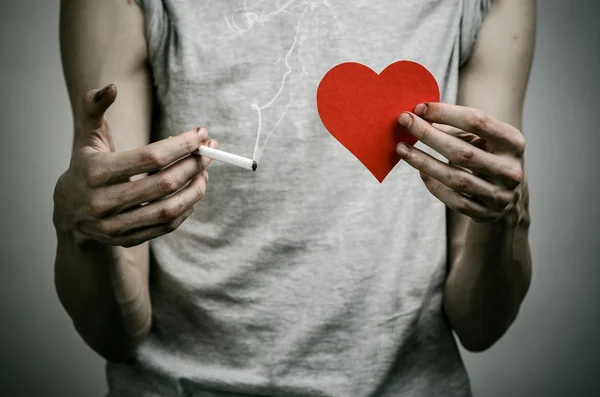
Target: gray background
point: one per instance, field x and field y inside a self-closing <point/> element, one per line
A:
<point x="552" y="349"/>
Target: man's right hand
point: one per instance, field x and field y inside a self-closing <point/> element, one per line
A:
<point x="97" y="198"/>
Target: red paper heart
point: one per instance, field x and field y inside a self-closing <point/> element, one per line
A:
<point x="360" y="109"/>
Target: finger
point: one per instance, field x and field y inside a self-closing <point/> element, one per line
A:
<point x="459" y="202"/>
<point x="139" y="236"/>
<point x="462" y="135"/>
<point x="457" y="132"/>
<point x="456" y="179"/>
<point x="94" y="104"/>
<point x="213" y="143"/>
<point x="153" y="214"/>
<point x="453" y="148"/>
<point x="150" y="233"/>
<point x="153" y="157"/>
<point x="499" y="134"/>
<point x="120" y="197"/>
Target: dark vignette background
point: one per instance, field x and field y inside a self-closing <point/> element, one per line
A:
<point x="552" y="349"/>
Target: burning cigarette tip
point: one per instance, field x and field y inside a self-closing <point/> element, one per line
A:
<point x="254" y="165"/>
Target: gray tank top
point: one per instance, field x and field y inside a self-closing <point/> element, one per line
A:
<point x="307" y="277"/>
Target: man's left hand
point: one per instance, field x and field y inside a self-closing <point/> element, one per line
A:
<point x="485" y="155"/>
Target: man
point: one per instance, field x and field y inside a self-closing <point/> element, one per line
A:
<point x="306" y="277"/>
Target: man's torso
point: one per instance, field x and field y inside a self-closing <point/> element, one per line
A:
<point x="307" y="277"/>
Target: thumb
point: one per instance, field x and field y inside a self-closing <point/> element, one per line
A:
<point x="96" y="103"/>
<point x="91" y="128"/>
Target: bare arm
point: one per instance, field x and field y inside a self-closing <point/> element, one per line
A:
<point x="490" y="263"/>
<point x="103" y="42"/>
<point x="484" y="185"/>
<point x="120" y="191"/>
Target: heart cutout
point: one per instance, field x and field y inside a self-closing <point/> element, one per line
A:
<point x="360" y="108"/>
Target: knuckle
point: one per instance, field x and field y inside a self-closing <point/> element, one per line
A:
<point x="518" y="176"/>
<point x="431" y="184"/>
<point x="424" y="131"/>
<point x="422" y="161"/>
<point x="90" y="175"/>
<point x="106" y="228"/>
<point x="96" y="175"/>
<point x="191" y="143"/>
<point x="167" y="183"/>
<point x="174" y="224"/>
<point x="464" y="155"/>
<point x="479" y="120"/>
<point x="410" y="154"/>
<point x="434" y="187"/>
<point x="167" y="213"/>
<point x="519" y="142"/>
<point x="460" y="182"/>
<point x="511" y="196"/>
<point x="171" y="211"/>
<point x="150" y="157"/>
<point x="503" y="198"/>
<point x="441" y="112"/>
<point x="515" y="175"/>
<point x="96" y="205"/>
<point x="202" y="163"/>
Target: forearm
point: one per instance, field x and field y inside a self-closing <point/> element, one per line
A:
<point x="103" y="294"/>
<point x="490" y="263"/>
<point x="490" y="273"/>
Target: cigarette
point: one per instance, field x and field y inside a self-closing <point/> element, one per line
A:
<point x="228" y="158"/>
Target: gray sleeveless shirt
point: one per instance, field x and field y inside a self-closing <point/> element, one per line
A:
<point x="307" y="277"/>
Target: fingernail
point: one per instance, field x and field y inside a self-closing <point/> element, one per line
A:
<point x="101" y="93"/>
<point x="206" y="175"/>
<point x="212" y="143"/>
<point x="402" y="150"/>
<point x="203" y="133"/>
<point x="420" y="109"/>
<point x="405" y="120"/>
